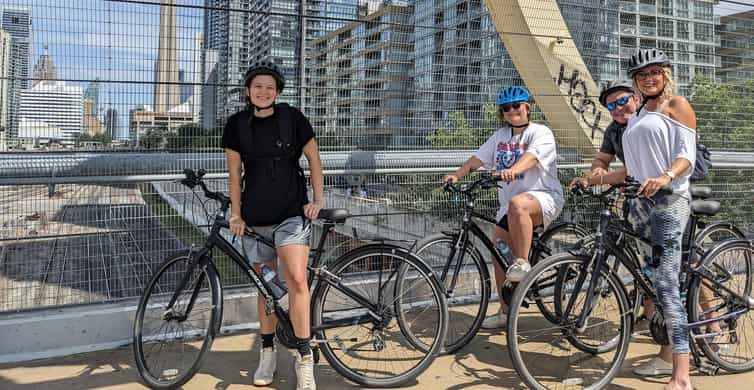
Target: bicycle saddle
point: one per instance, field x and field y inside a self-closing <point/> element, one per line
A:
<point x="700" y="192"/>
<point x="705" y="207"/>
<point x="334" y="215"/>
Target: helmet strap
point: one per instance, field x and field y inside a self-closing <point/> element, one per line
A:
<point x="645" y="99"/>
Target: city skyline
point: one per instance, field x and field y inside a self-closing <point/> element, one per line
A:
<point x="123" y="59"/>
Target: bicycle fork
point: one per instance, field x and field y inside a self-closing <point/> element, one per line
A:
<point x="598" y="261"/>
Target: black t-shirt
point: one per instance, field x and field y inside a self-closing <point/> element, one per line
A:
<point x="612" y="142"/>
<point x="274" y="187"/>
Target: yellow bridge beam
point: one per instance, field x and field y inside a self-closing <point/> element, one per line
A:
<point x="546" y="57"/>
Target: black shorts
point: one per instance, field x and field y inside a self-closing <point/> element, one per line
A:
<point x="503" y="223"/>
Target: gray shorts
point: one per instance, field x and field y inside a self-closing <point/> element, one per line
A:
<point x="294" y="230"/>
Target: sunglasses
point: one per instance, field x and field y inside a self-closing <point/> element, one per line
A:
<point x="618" y="103"/>
<point x="507" y="107"/>
<point x="652" y="73"/>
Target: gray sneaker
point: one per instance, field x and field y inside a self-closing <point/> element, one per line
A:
<point x="267" y="366"/>
<point x="495" y="321"/>
<point x="518" y="270"/>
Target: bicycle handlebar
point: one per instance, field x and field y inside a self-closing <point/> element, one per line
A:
<point x="630" y="190"/>
<point x="194" y="179"/>
<point x="486" y="181"/>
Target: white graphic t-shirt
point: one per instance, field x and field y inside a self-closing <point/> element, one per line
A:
<point x="503" y="149"/>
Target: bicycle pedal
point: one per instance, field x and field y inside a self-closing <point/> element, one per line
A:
<point x="315" y="354"/>
<point x="709" y="369"/>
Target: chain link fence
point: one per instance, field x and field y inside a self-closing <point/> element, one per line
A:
<point x="103" y="103"/>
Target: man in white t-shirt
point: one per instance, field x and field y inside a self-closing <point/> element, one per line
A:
<point x="524" y="156"/>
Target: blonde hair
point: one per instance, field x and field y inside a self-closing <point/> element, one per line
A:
<point x="668" y="90"/>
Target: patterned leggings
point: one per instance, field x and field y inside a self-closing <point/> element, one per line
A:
<point x="664" y="222"/>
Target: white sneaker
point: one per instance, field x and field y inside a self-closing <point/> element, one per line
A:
<point x="496" y="321"/>
<point x="267" y="366"/>
<point x="518" y="270"/>
<point x="304" y="372"/>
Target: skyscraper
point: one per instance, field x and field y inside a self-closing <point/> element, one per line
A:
<point x="44" y="69"/>
<point x="240" y="38"/>
<point x="51" y="107"/>
<point x="736" y="34"/>
<point x="92" y="93"/>
<point x="17" y="23"/>
<point x="111" y="123"/>
<point x="166" y="90"/>
<point x="5" y="48"/>
<point x="197" y="77"/>
<point x="186" y="88"/>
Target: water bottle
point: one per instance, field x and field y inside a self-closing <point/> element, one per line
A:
<point x="276" y="288"/>
<point x="505" y="251"/>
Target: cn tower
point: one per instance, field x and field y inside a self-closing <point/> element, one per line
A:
<point x="166" y="90"/>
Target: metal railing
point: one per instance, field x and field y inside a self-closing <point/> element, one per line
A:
<point x="101" y="241"/>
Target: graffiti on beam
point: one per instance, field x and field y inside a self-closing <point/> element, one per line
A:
<point x="580" y="100"/>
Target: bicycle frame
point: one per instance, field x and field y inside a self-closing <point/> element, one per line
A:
<point x="215" y="239"/>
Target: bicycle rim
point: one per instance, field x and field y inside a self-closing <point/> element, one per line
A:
<point x="467" y="304"/>
<point x="169" y="344"/>
<point x="373" y="353"/>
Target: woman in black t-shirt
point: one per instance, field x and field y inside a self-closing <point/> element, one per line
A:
<point x="265" y="142"/>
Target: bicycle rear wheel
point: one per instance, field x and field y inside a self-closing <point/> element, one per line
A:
<point x="171" y="342"/>
<point x="361" y="318"/>
<point x="729" y="341"/>
<point x="550" y="356"/>
<point x="467" y="303"/>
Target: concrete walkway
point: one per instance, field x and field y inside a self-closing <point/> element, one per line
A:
<point x="484" y="364"/>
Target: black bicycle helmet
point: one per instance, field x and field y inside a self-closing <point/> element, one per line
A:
<point x="646" y="57"/>
<point x="613" y="86"/>
<point x="265" y="67"/>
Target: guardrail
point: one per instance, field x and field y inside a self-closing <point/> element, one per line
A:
<point x="98" y="239"/>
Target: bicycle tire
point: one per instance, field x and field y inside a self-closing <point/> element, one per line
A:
<point x="460" y="330"/>
<point x="209" y="307"/>
<point x="350" y="268"/>
<point x="715" y="233"/>
<point x="556" y="239"/>
<point x="725" y="272"/>
<point x="519" y="319"/>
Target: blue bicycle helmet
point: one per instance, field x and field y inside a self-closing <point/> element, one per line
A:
<point x="512" y="94"/>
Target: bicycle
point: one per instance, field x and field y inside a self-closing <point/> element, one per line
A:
<point x="706" y="234"/>
<point x="358" y="315"/>
<point x="595" y="318"/>
<point x="464" y="273"/>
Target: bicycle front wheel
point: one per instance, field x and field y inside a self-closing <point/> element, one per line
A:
<point x="361" y="319"/>
<point x="728" y="342"/>
<point x="468" y="298"/>
<point x="171" y="341"/>
<point x="550" y="355"/>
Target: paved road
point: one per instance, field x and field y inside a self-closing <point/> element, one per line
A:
<point x="482" y="365"/>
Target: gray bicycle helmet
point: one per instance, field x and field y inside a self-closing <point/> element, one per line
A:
<point x="615" y="85"/>
<point x="265" y="67"/>
<point x="646" y="57"/>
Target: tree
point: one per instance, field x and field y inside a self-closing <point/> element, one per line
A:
<point x="724" y="114"/>
<point x="154" y="138"/>
<point x="459" y="134"/>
